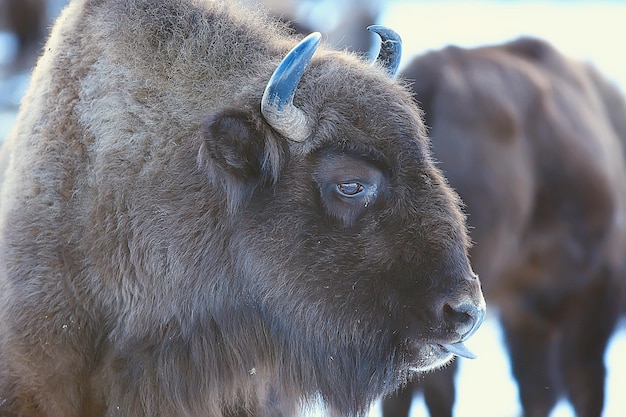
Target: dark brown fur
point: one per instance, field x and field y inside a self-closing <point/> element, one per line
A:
<point x="164" y="252"/>
<point x="533" y="142"/>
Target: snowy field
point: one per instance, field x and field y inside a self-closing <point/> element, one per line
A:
<point x="589" y="30"/>
<point x="594" y="31"/>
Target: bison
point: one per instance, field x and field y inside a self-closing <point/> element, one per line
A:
<point x="204" y="215"/>
<point x="534" y="144"/>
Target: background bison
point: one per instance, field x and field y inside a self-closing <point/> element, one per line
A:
<point x="534" y="144"/>
<point x="27" y="20"/>
<point x="201" y="215"/>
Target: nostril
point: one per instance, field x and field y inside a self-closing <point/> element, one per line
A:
<point x="456" y="316"/>
<point x="464" y="317"/>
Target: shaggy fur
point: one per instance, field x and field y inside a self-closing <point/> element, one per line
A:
<point x="534" y="144"/>
<point x="164" y="252"/>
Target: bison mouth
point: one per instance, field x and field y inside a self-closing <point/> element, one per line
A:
<point x="430" y="356"/>
<point x="458" y="349"/>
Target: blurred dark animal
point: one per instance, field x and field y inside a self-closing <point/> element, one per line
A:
<point x="201" y="215"/>
<point x="27" y="20"/>
<point x="341" y="21"/>
<point x="533" y="143"/>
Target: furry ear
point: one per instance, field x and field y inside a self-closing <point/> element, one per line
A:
<point x="240" y="153"/>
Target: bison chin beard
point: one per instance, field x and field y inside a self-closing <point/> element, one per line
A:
<point x="347" y="381"/>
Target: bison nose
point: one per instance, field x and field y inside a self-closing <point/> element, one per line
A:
<point x="466" y="317"/>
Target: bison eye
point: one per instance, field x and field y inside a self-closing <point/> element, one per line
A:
<point x="349" y="186"/>
<point x="350" y="189"/>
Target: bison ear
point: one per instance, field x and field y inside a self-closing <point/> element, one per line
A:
<point x="240" y="153"/>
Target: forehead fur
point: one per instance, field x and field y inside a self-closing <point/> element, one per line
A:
<point x="347" y="97"/>
<point x="189" y="61"/>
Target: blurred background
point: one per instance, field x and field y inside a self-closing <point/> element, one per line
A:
<point x="593" y="31"/>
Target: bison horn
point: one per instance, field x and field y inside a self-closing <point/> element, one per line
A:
<point x="277" y="104"/>
<point x="390" y="48"/>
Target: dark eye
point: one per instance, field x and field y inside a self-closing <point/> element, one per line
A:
<point x="350" y="188"/>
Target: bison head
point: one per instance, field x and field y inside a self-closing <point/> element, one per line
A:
<point x="173" y="243"/>
<point x="349" y="240"/>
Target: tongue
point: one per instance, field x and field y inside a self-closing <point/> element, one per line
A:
<point x="459" y="349"/>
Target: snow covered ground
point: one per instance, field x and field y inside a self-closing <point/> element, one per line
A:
<point x="590" y="30"/>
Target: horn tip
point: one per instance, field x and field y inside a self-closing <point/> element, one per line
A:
<point x="390" y="50"/>
<point x="313" y="38"/>
<point x="386" y="32"/>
